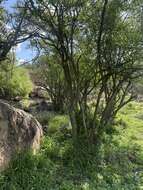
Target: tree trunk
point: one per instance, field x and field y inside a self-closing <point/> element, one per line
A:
<point x="73" y="124"/>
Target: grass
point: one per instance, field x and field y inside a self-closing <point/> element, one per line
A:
<point x="58" y="166"/>
<point x="132" y="116"/>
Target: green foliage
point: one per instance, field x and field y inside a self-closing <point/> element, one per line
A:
<point x="57" y="123"/>
<point x="133" y="122"/>
<point x="98" y="58"/>
<point x="49" y="74"/>
<point x="25" y="103"/>
<point x="53" y="123"/>
<point x="15" y="82"/>
<point x="44" y="117"/>
<point x="55" y="168"/>
<point x="59" y="166"/>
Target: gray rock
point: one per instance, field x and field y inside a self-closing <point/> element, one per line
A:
<point x="19" y="131"/>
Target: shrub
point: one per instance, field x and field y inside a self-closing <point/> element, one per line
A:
<point x="59" y="122"/>
<point x="18" y="84"/>
<point x="44" y="117"/>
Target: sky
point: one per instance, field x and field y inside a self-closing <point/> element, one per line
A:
<point x="23" y="52"/>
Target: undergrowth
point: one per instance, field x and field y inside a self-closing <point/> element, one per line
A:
<point x="59" y="166"/>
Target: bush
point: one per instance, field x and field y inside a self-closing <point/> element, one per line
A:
<point x="57" y="123"/>
<point x="18" y="84"/>
<point x="44" y="117"/>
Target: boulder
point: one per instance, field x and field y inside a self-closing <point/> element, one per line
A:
<point x="19" y="131"/>
<point x="39" y="92"/>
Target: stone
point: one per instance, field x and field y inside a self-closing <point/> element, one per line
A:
<point x="39" y="92"/>
<point x="19" y="131"/>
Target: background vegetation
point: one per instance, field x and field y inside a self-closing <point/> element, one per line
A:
<point x="14" y="82"/>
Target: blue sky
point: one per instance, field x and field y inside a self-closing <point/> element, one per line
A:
<point x="23" y="52"/>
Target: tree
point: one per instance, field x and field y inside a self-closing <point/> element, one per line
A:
<point x="118" y="59"/>
<point x="49" y="74"/>
<point x="100" y="53"/>
<point x="11" y="31"/>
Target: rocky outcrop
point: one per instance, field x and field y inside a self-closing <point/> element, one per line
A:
<point x="19" y="131"/>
